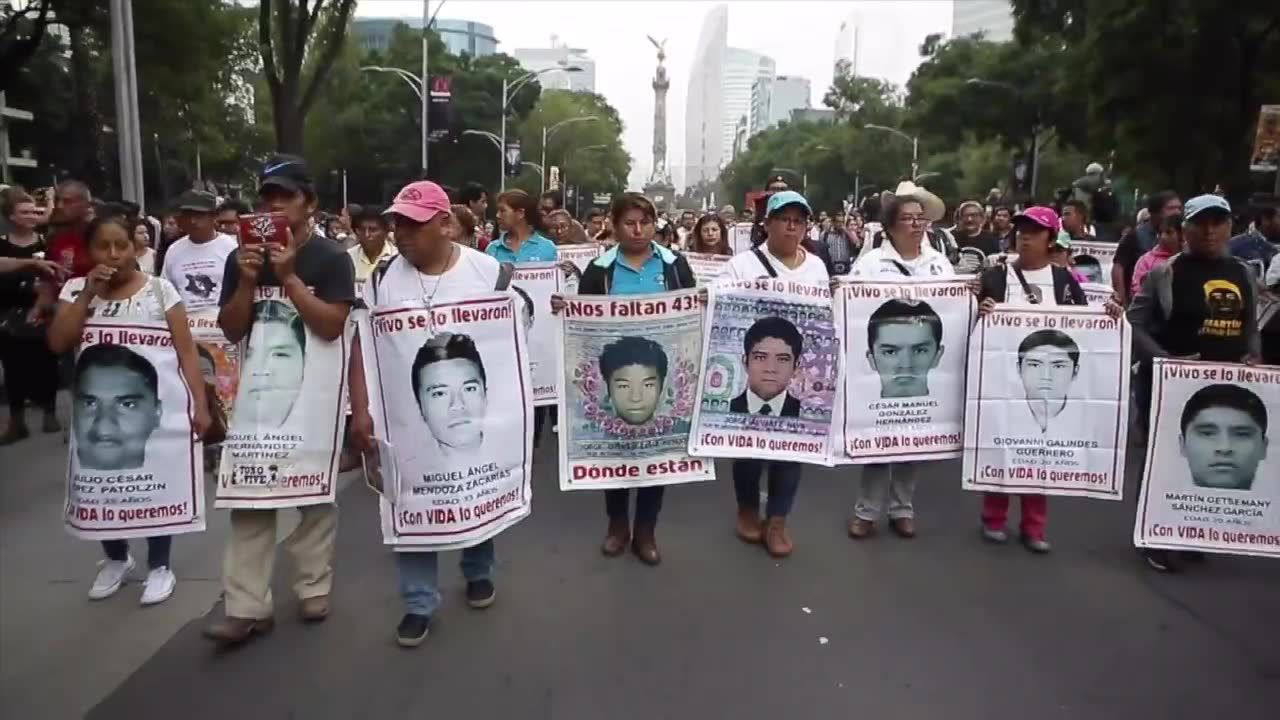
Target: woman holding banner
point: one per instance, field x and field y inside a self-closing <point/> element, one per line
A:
<point x="781" y="255"/>
<point x="429" y="269"/>
<point x="637" y="265"/>
<point x="905" y="254"/>
<point x="115" y="403"/>
<point x="1032" y="279"/>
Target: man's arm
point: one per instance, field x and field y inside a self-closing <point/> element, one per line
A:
<point x="1144" y="317"/>
<point x="327" y="320"/>
<point x="239" y="279"/>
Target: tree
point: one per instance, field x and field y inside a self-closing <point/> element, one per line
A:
<point x="1173" y="86"/>
<point x="604" y="170"/>
<point x="21" y="32"/>
<point x="299" y="40"/>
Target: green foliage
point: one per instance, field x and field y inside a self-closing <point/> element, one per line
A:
<point x="603" y="170"/>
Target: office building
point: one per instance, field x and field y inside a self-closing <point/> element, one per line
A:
<point x="559" y="56"/>
<point x="704" y="144"/>
<point x="741" y="70"/>
<point x="993" y="19"/>
<point x="459" y="36"/>
<point x="773" y="100"/>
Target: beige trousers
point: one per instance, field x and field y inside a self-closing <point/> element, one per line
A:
<point x="251" y="557"/>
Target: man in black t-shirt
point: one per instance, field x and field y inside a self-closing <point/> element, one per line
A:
<point x="317" y="276"/>
<point x="1201" y="305"/>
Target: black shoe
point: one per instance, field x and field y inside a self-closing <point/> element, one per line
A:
<point x="480" y="593"/>
<point x="1160" y="560"/>
<point x="413" y="630"/>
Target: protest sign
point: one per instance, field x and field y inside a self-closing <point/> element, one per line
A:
<point x="536" y="283"/>
<point x="1047" y="402"/>
<point x="706" y="266"/>
<point x="579" y="255"/>
<point x="740" y="237"/>
<point x="286" y="427"/>
<point x="451" y="400"/>
<point x="219" y="359"/>
<point x="1097" y="293"/>
<point x="1093" y="259"/>
<point x="903" y="390"/>
<point x="631" y="369"/>
<point x="771" y="362"/>
<point x="1265" y="156"/>
<point x="135" y="469"/>
<point x="1209" y="483"/>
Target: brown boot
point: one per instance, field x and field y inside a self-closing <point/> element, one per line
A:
<point x="776" y="539"/>
<point x="234" y="631"/>
<point x="749" y="525"/>
<point x="615" y="541"/>
<point x="860" y="529"/>
<point x="315" y="609"/>
<point x="645" y="546"/>
<point x="905" y="527"/>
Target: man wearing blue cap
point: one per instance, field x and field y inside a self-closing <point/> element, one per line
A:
<point x="1202" y="304"/>
<point x="780" y="256"/>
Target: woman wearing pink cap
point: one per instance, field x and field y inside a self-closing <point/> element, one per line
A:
<point x="1031" y="279"/>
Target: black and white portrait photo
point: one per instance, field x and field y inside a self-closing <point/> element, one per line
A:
<point x="1048" y="363"/>
<point x="635" y="372"/>
<point x="272" y="374"/>
<point x="116" y="407"/>
<point x="1223" y="436"/>
<point x="449" y="382"/>
<point x="904" y="344"/>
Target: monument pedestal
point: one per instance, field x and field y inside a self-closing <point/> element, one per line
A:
<point x="663" y="195"/>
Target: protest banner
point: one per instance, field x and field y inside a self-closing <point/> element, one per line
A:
<point x="219" y="358"/>
<point x="1209" y="483"/>
<point x="1265" y="156"/>
<point x="286" y="426"/>
<point x="1093" y="259"/>
<point x="452" y="405"/>
<point x="536" y="283"/>
<point x="631" y="369"/>
<point x="579" y="255"/>
<point x="771" y="364"/>
<point x="135" y="467"/>
<point x="706" y="266"/>
<point x="1047" y="402"/>
<point x="904" y="367"/>
<point x="740" y="237"/>
<point x="1097" y="293"/>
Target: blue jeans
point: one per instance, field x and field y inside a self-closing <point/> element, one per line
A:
<point x="784" y="481"/>
<point x="419" y="572"/>
<point x="157" y="550"/>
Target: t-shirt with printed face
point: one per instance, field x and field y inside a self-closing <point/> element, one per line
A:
<point x="196" y="270"/>
<point x="320" y="263"/>
<point x="1211" y="299"/>
<point x="1039" y="280"/>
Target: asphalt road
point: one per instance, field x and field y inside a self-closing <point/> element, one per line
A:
<point x="943" y="626"/>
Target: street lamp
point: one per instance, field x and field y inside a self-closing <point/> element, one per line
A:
<point x="549" y="132"/>
<point x="509" y="89"/>
<point x="405" y="75"/>
<point x="915" y="145"/>
<point x="1035" y="128"/>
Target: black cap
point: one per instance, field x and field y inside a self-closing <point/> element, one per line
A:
<point x="197" y="201"/>
<point x="288" y="172"/>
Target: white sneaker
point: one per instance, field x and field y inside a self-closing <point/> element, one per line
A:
<point x="159" y="586"/>
<point x="111" y="575"/>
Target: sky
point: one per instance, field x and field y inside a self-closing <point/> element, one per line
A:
<point x="800" y="35"/>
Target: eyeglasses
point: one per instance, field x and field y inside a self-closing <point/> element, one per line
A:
<point x="912" y="219"/>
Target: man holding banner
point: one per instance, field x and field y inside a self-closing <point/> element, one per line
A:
<point x="768" y="356"/>
<point x="1200" y="305"/>
<point x="434" y="338"/>
<point x="635" y="370"/>
<point x="310" y="277"/>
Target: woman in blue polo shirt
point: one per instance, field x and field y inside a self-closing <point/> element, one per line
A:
<point x="521" y="240"/>
<point x="635" y="266"/>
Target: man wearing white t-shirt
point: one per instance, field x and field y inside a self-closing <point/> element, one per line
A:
<point x="779" y="256"/>
<point x="194" y="263"/>
<point x="429" y="269"/>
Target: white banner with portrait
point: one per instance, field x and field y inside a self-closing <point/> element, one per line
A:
<point x="219" y="358"/>
<point x="740" y="237"/>
<point x="574" y="260"/>
<point x="706" y="266"/>
<point x="535" y="283"/>
<point x="1093" y="259"/>
<point x="285" y="430"/>
<point x="1097" y="293"/>
<point x="452" y="402"/>
<point x="135" y="467"/>
<point x="1209" y="482"/>
<point x="631" y="369"/>
<point x="1047" y="402"/>
<point x="905" y="343"/>
<point x="771" y="364"/>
